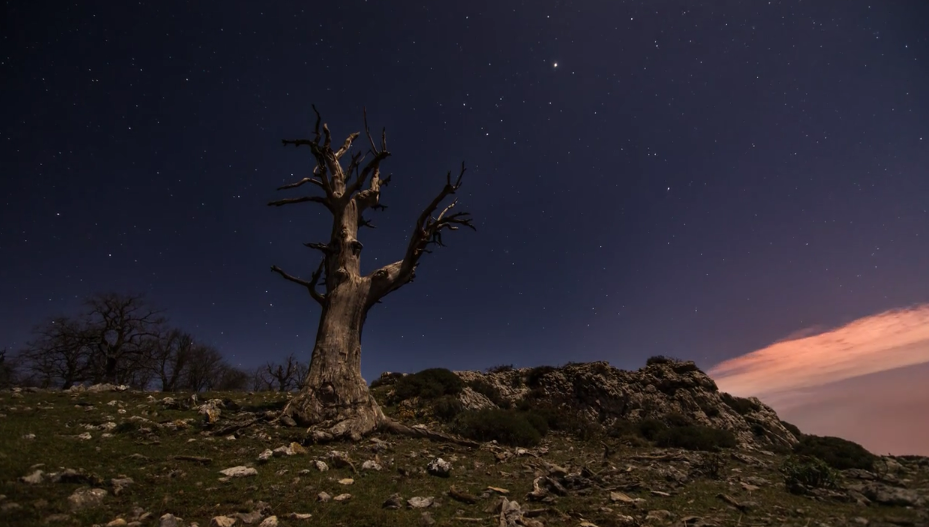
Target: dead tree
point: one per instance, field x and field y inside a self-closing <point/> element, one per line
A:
<point x="120" y="331"/>
<point x="334" y="400"/>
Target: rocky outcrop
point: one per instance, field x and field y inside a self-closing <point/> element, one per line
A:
<point x="604" y="394"/>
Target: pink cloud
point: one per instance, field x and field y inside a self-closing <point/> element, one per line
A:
<point x="864" y="381"/>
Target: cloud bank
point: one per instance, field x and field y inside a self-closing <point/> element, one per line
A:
<point x="865" y="381"/>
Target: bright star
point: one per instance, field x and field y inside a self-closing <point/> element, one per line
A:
<point x="555" y="64"/>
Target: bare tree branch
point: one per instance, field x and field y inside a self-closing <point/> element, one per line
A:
<point x="315" y="181"/>
<point x="324" y="247"/>
<point x="291" y="201"/>
<point x="426" y="232"/>
<point x="291" y="278"/>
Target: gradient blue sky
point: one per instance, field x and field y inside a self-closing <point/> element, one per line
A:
<point x="691" y="179"/>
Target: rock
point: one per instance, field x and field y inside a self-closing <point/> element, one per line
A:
<point x="118" y="522"/>
<point x="346" y="481"/>
<point x="620" y="497"/>
<point x="249" y="518"/>
<point x="86" y="498"/>
<point x="426" y="518"/>
<point x="419" y="502"/>
<point x="33" y="479"/>
<point x="321" y="465"/>
<point x="211" y="410"/>
<point x="85" y="436"/>
<point x="887" y="495"/>
<point x="658" y="516"/>
<point x="270" y="521"/>
<point x="266" y="455"/>
<point x="283" y="451"/>
<point x="222" y="521"/>
<point x="57" y="518"/>
<point x="170" y="520"/>
<point x="323" y="497"/>
<point x="299" y="516"/>
<point x="120" y="484"/>
<point x="29" y="437"/>
<point x="393" y="502"/>
<point x="297" y="449"/>
<point x="239" y="472"/>
<point x="342" y="497"/>
<point x="370" y="465"/>
<point x="10" y="506"/>
<point x="288" y="421"/>
<point x="439" y="467"/>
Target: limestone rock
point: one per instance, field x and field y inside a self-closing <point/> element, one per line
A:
<point x="439" y="467"/>
<point x="419" y="502"/>
<point x="270" y="521"/>
<point x="222" y="521"/>
<point x="86" y="498"/>
<point x="239" y="472"/>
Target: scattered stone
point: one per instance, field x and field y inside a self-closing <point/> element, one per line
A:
<point x="118" y="522"/>
<point x="299" y="516"/>
<point x="419" y="502"/>
<point x="620" y="497"/>
<point x="426" y="518"/>
<point x="393" y="502"/>
<point x="346" y="481"/>
<point x="439" y="467"/>
<point x="120" y="484"/>
<point x="222" y="521"/>
<point x="33" y="479"/>
<point x="57" y="518"/>
<point x="288" y="421"/>
<point x="323" y="497"/>
<point x="321" y="465"/>
<point x="270" y="521"/>
<point x="170" y="520"/>
<point x="29" y="437"/>
<point x="248" y="518"/>
<point x="297" y="449"/>
<point x="239" y="472"/>
<point x="11" y="506"/>
<point x="658" y="516"/>
<point x="370" y="465"/>
<point x="283" y="451"/>
<point x="266" y="455"/>
<point x="342" y="497"/>
<point x="85" y="436"/>
<point x="86" y="498"/>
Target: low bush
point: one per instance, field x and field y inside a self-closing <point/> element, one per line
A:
<point x="741" y="405"/>
<point x="658" y="359"/>
<point x="792" y="429"/>
<point x="505" y="426"/>
<point x="695" y="437"/>
<point x="428" y="384"/>
<point x="534" y="377"/>
<point x="802" y="473"/>
<point x="649" y="428"/>
<point x="538" y="421"/>
<point x="500" y="368"/>
<point x="447" y="407"/>
<point x="836" y="452"/>
<point x="387" y="379"/>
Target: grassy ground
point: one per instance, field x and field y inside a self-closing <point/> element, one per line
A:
<point x="193" y="490"/>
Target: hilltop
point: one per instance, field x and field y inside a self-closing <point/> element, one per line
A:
<point x="580" y="445"/>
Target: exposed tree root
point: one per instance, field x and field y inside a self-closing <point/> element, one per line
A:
<point x="394" y="427"/>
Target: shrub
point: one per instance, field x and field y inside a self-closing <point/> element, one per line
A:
<point x="836" y="452"/>
<point x="792" y="429"/>
<point x="802" y="473"/>
<point x="677" y="419"/>
<point x="488" y="390"/>
<point x="658" y="359"/>
<point x="538" y="421"/>
<point x="500" y="368"/>
<point x="695" y="437"/>
<point x="623" y="428"/>
<point x="447" y="407"/>
<point x="649" y="428"/>
<point x="505" y="426"/>
<point x="741" y="405"/>
<point x="428" y="384"/>
<point x="387" y="379"/>
<point x="534" y="377"/>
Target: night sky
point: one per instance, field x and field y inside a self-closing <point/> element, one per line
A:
<point x="691" y="179"/>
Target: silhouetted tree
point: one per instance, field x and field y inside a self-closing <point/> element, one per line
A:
<point x="120" y="331"/>
<point x="334" y="400"/>
<point x="7" y="369"/>
<point x="58" y="355"/>
<point x="283" y="377"/>
<point x="170" y="357"/>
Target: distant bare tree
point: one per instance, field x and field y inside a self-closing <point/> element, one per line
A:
<point x="335" y="401"/>
<point x="120" y="331"/>
<point x="8" y="367"/>
<point x="283" y="377"/>
<point x="170" y="357"/>
<point x="231" y="378"/>
<point x="58" y="355"/>
<point x="203" y="368"/>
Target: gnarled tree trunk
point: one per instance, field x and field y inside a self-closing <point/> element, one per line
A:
<point x="335" y="401"/>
